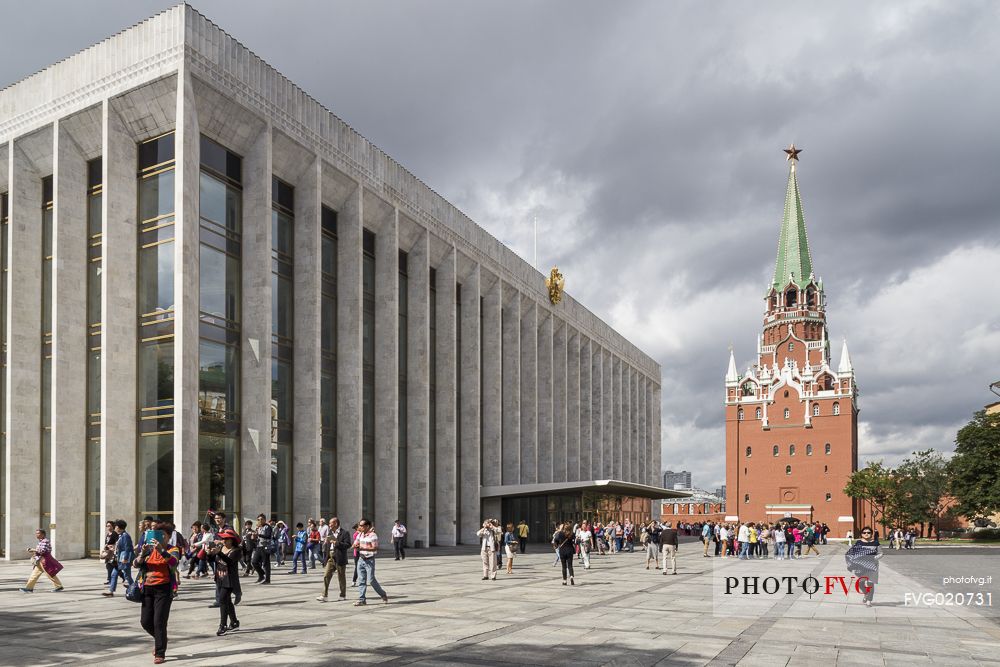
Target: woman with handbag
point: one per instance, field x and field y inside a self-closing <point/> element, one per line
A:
<point x="565" y="550"/>
<point x="510" y="547"/>
<point x="154" y="587"/>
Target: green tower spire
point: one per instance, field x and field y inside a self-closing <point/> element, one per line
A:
<point x="794" y="258"/>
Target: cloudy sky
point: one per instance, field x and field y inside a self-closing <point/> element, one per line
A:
<point x="646" y="137"/>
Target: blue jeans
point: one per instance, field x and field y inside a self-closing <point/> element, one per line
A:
<point x="744" y="549"/>
<point x="789" y="548"/>
<point x="296" y="557"/>
<point x="124" y="570"/>
<point x="366" y="577"/>
<point x="314" y="550"/>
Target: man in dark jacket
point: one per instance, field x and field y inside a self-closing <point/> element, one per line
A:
<point x="338" y="541"/>
<point x="668" y="542"/>
<point x="261" y="558"/>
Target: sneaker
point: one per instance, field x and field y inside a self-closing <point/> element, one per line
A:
<point x="58" y="590"/>
<point x="868" y="603"/>
<point x="342" y="599"/>
<point x="321" y="598"/>
<point x="221" y="631"/>
<point x="28" y="590"/>
<point x="235" y="625"/>
<point x="360" y="603"/>
<point x="571" y="582"/>
<point x="214" y="605"/>
<point x="107" y="594"/>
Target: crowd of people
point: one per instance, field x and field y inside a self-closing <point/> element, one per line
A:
<point x="162" y="555"/>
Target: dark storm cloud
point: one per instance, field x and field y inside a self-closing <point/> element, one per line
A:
<point x="646" y="137"/>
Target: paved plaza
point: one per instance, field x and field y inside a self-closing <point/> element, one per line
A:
<point x="442" y="613"/>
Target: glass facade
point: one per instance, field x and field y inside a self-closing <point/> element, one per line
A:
<point x="328" y="365"/>
<point x="368" y="375"/>
<point x="95" y="240"/>
<point x="282" y="333"/>
<point x="543" y="513"/>
<point x="221" y="226"/>
<point x="4" y="227"/>
<point x="403" y="356"/>
<point x="155" y="285"/>
<point x="432" y="413"/>
<point x="45" y="485"/>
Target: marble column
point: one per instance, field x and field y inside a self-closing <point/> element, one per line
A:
<point x="657" y="441"/>
<point x="573" y="407"/>
<point x="560" y="395"/>
<point x="255" y="325"/>
<point x="608" y="418"/>
<point x="349" y="361"/>
<point x="24" y="285"/>
<point x="493" y="391"/>
<point x="626" y="421"/>
<point x="187" y="303"/>
<point x="586" y="409"/>
<point x="643" y="440"/>
<point x="618" y="428"/>
<point x="386" y="229"/>
<point x="545" y="454"/>
<point x="473" y="437"/>
<point x="529" y="392"/>
<point x="69" y="360"/>
<point x="511" y="466"/>
<point x="418" y="465"/>
<point x="596" y="411"/>
<point x="444" y="468"/>
<point x="119" y="353"/>
<point x="306" y="433"/>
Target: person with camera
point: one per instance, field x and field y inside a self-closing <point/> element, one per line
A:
<point x="227" y="578"/>
<point x="155" y="561"/>
<point x="488" y="549"/>
<point x="261" y="559"/>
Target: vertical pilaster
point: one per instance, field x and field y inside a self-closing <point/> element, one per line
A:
<point x="586" y="409"/>
<point x="349" y="361"/>
<point x="493" y="392"/>
<point x="596" y="411"/>
<point x="444" y="468"/>
<point x="69" y="344"/>
<point x="387" y="369"/>
<point x="559" y="390"/>
<point x="418" y="465"/>
<point x="24" y="284"/>
<point x="626" y="421"/>
<point x="545" y="445"/>
<point x="573" y="407"/>
<point x="657" y="441"/>
<point x="636" y="472"/>
<point x="529" y="392"/>
<point x="306" y="433"/>
<point x="608" y="418"/>
<point x="186" y="293"/>
<point x="618" y="423"/>
<point x="473" y="437"/>
<point x="255" y="363"/>
<point x="119" y="341"/>
<point x="643" y="475"/>
<point x="511" y="467"/>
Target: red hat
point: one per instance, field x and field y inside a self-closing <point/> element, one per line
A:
<point x="229" y="534"/>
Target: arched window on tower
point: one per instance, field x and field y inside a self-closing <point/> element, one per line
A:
<point x="826" y="469"/>
<point x="748" y="389"/>
<point x="791" y="297"/>
<point x="748" y="452"/>
<point x="774" y="450"/>
<point x="791" y="450"/>
<point x="815" y="409"/>
<point x="739" y="414"/>
<point x="829" y="497"/>
<point x="827" y="448"/>
<point x="809" y="450"/>
<point x="759" y="413"/>
<point x="788" y="470"/>
<point x="811" y="297"/>
<point x="746" y="497"/>
<point x="788" y="413"/>
<point x="836" y="408"/>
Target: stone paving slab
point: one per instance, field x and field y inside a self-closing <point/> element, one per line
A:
<point x="442" y="614"/>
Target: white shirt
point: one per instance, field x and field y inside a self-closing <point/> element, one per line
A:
<point x="398" y="530"/>
<point x="723" y="534"/>
<point x="743" y="535"/>
<point x="779" y="536"/>
<point x="367" y="544"/>
<point x="324" y="530"/>
<point x="584" y="536"/>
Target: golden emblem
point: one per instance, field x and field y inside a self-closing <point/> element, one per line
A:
<point x="556" y="284"/>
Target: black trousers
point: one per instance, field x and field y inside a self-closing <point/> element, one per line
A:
<point x="227" y="610"/>
<point x="522" y="543"/>
<point x="111" y="568"/>
<point x="155" y="613"/>
<point x="399" y="546"/>
<point x="262" y="563"/>
<point x="567" y="565"/>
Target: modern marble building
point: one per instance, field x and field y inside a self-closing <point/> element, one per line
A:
<point x="216" y="294"/>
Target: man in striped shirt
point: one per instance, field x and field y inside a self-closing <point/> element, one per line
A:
<point x="367" y="546"/>
<point x="42" y="553"/>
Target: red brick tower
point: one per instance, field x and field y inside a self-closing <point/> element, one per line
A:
<point x="791" y="419"/>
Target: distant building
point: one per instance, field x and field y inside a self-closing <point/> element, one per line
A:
<point x="721" y="492"/>
<point x="672" y="479"/>
<point x="700" y="507"/>
<point x="992" y="408"/>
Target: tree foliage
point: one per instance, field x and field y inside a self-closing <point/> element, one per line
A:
<point x="974" y="470"/>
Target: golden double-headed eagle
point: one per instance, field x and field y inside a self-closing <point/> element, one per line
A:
<point x="556" y="284"/>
